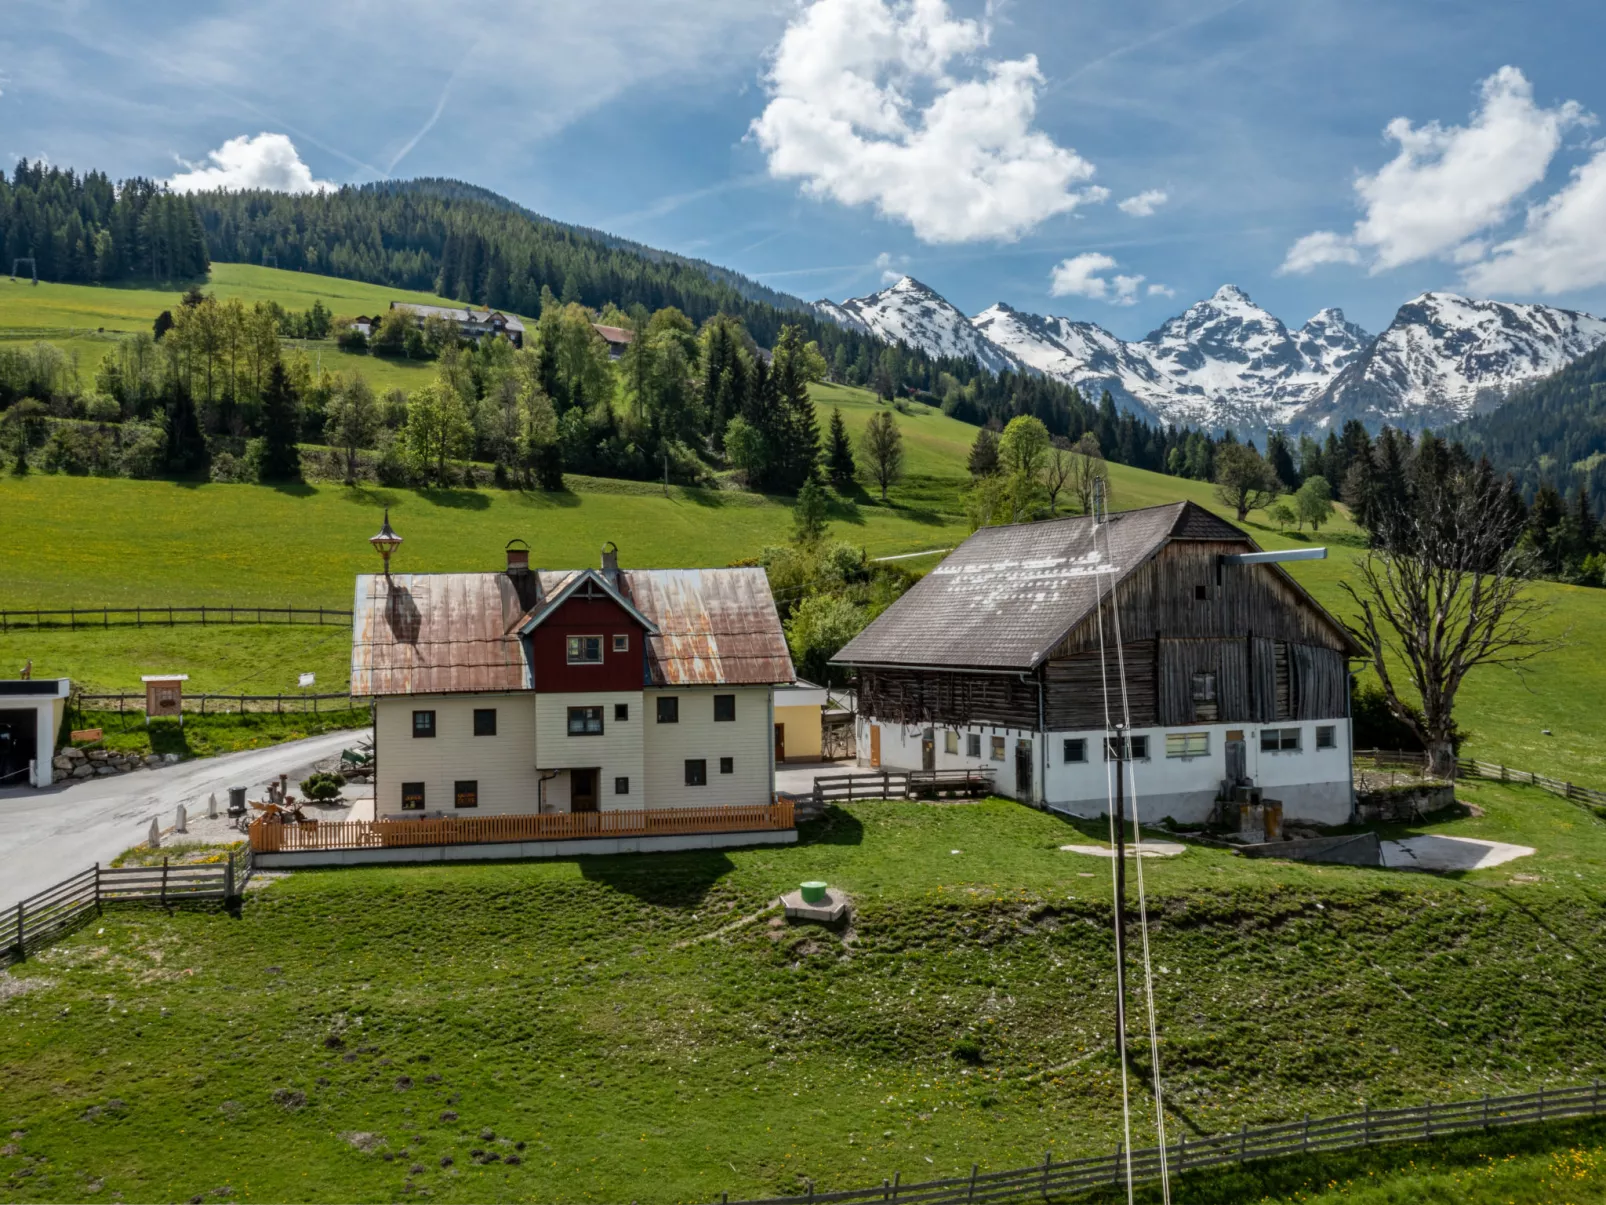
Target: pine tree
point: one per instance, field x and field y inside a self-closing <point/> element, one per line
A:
<point x="281" y="457"/>
<point x="839" y="456"/>
<point x="984" y="453"/>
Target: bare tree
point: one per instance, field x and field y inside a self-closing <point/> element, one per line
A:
<point x="1087" y="469"/>
<point x="1443" y="591"/>
<point x="1057" y="471"/>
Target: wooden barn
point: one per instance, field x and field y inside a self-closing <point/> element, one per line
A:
<point x="993" y="661"/>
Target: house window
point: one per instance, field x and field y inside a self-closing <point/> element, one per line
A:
<point x="1205" y="709"/>
<point x="585" y="721"/>
<point x="696" y="772"/>
<point x="1137" y="748"/>
<point x="621" y="785"/>
<point x="727" y="765"/>
<point x="998" y="748"/>
<point x="1326" y="736"/>
<point x="466" y="793"/>
<point x="621" y="713"/>
<point x="1187" y="744"/>
<point x="412" y="797"/>
<point x="1279" y="740"/>
<point x="423" y="723"/>
<point x="724" y="708"/>
<point x="668" y="709"/>
<point x="950" y="742"/>
<point x="585" y="650"/>
<point x="621" y="644"/>
<point x="1075" y="750"/>
<point x="973" y="744"/>
<point x="485" y="721"/>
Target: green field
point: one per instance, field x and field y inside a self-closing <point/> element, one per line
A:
<point x="604" y="1013"/>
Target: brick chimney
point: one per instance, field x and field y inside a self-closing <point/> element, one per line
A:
<point x="518" y="571"/>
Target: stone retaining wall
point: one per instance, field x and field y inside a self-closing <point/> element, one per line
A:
<point x="73" y="762"/>
<point x="1403" y="804"/>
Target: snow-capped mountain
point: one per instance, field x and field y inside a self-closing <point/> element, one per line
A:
<point x="1225" y="362"/>
<point x="909" y="312"/>
<point x="1445" y="357"/>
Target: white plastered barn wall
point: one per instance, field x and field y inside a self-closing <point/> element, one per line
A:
<point x="616" y="753"/>
<point x="748" y="741"/>
<point x="503" y="765"/>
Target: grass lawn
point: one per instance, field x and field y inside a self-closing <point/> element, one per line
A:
<point x="588" y="1010"/>
<point x="229" y="732"/>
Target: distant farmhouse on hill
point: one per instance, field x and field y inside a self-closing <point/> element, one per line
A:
<point x="471" y="323"/>
<point x="617" y="338"/>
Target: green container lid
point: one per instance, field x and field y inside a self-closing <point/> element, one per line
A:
<point x="813" y="892"/>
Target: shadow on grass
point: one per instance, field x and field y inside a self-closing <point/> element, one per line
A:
<point x="663" y="880"/>
<point x="369" y="495"/>
<point x="1303" y="1177"/>
<point x="457" y="499"/>
<point x="294" y="489"/>
<point x="167" y="736"/>
<point x="836" y="827"/>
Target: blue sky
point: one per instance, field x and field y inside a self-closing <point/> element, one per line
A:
<point x="819" y="146"/>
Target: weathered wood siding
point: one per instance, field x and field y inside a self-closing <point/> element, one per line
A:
<point x="1257" y="680"/>
<point x="956" y="699"/>
<point x="1160" y="598"/>
<point x="1075" y="688"/>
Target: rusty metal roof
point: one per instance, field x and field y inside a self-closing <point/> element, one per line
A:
<point x="447" y="632"/>
<point x="432" y="633"/>
<point x="1008" y="595"/>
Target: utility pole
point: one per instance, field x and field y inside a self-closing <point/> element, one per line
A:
<point x="1120" y="889"/>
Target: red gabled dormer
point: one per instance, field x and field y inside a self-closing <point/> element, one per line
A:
<point x="587" y="637"/>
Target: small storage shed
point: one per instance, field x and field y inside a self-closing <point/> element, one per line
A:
<point x="30" y="716"/>
<point x="164" y="695"/>
<point x="798" y="711"/>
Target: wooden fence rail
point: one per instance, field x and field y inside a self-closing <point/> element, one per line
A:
<point x="1466" y="767"/>
<point x="167" y="617"/>
<point x="47" y="915"/>
<point x="901" y="784"/>
<point x="1369" y="1127"/>
<point x="270" y="837"/>
<point x="214" y="704"/>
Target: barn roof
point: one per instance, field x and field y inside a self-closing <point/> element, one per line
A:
<point x="1008" y="595"/>
<point x="449" y="632"/>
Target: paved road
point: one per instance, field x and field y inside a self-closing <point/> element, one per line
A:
<point x="47" y="835"/>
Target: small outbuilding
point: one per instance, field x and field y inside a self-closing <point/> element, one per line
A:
<point x="799" y="710"/>
<point x="30" y="716"/>
<point x="164" y="695"/>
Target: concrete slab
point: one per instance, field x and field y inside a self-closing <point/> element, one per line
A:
<point x="831" y="909"/>
<point x="1151" y="849"/>
<point x="1435" y="852"/>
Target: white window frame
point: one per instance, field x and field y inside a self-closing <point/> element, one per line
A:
<point x="1330" y="732"/>
<point x="1281" y="737"/>
<point x="995" y="750"/>
<point x="1081" y="751"/>
<point x="621" y="644"/>
<point x="1187" y="745"/>
<point x="575" y="649"/>
<point x="973" y="745"/>
<point x="950" y="742"/>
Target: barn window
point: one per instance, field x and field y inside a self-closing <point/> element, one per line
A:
<point x="668" y="709"/>
<point x="466" y="793"/>
<point x="696" y="772"/>
<point x="1201" y="593"/>
<point x="1187" y="744"/>
<point x="1075" y="750"/>
<point x="1137" y="748"/>
<point x="585" y="721"/>
<point x="412" y="797"/>
<point x="998" y="748"/>
<point x="973" y="745"/>
<point x="585" y="650"/>
<point x="1279" y="740"/>
<point x="1205" y="708"/>
<point x="485" y="721"/>
<point x="1326" y="736"/>
<point x="724" y="708"/>
<point x="950" y="741"/>
<point x="423" y="723"/>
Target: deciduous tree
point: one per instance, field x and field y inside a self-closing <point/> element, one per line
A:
<point x="881" y="448"/>
<point x="1244" y="481"/>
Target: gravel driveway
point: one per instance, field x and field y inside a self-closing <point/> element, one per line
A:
<point x="48" y="835"/>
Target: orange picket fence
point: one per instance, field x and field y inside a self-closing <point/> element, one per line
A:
<point x="270" y="837"/>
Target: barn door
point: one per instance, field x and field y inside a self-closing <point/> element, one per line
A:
<point x="875" y="746"/>
<point x="1023" y="770"/>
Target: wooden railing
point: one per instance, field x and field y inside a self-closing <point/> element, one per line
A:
<point x="271" y="838"/>
<point x="901" y="784"/>
<point x="1369" y="1127"/>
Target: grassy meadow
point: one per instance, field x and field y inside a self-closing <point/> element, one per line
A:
<point x="644" y="1029"/>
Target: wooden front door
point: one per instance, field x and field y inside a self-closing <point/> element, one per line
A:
<point x="928" y="750"/>
<point x="875" y="746"/>
<point x="1023" y="770"/>
<point x="780" y="743"/>
<point x="582" y="790"/>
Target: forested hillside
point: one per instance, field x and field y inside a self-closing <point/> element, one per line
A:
<point x="1553" y="432"/>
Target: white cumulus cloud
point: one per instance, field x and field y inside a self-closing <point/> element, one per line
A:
<point x="892" y="267"/>
<point x="1562" y="247"/>
<point x="864" y="110"/>
<point x="265" y="160"/>
<point x="1144" y="204"/>
<point x="1447" y="184"/>
<point x="1085" y="275"/>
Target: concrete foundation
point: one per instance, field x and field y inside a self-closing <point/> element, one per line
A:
<point x="515" y="850"/>
<point x="831" y="909"/>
